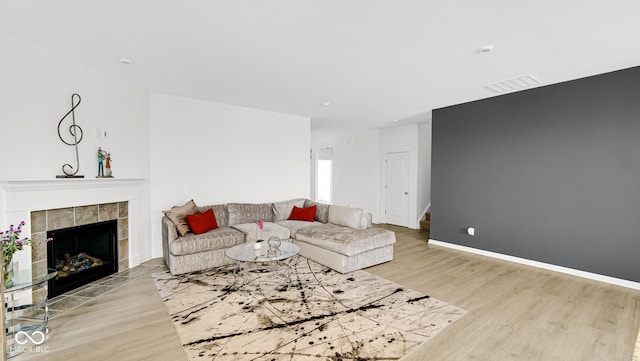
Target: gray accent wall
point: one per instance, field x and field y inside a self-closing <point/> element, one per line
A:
<point x="550" y="174"/>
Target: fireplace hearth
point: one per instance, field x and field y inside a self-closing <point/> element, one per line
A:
<point x="82" y="254"/>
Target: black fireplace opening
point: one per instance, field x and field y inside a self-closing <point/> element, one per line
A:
<point x="81" y="255"/>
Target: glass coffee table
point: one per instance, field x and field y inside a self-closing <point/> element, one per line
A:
<point x="250" y="261"/>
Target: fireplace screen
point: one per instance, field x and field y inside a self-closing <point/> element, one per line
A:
<point x="82" y="255"/>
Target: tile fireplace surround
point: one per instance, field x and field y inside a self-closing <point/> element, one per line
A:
<point x="61" y="203"/>
<point x="52" y="219"/>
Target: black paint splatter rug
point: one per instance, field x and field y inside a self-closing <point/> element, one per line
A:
<point x="323" y="315"/>
<point x="636" y="352"/>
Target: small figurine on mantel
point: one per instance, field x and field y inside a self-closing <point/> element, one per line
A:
<point x="102" y="157"/>
<point x="108" y="165"/>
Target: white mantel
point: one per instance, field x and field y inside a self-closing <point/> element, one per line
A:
<point x="51" y="193"/>
<point x="18" y="198"/>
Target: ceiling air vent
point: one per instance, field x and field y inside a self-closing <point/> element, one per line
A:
<point x="513" y="84"/>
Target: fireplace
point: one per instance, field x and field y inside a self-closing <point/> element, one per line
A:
<point x="82" y="254"/>
<point x="51" y="204"/>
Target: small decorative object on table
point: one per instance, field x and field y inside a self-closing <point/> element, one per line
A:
<point x="11" y="243"/>
<point x="274" y="246"/>
<point x="259" y="226"/>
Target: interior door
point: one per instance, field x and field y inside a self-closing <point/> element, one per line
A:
<point x="397" y="189"/>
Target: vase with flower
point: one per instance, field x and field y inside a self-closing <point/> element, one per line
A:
<point x="259" y="227"/>
<point x="11" y="243"/>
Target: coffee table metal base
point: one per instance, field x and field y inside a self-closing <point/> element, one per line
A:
<point x="264" y="272"/>
<point x="252" y="262"/>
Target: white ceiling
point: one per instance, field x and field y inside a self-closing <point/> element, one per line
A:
<point x="373" y="60"/>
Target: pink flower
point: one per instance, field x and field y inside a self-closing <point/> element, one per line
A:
<point x="260" y="225"/>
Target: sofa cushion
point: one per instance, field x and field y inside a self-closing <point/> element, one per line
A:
<point x="295" y="226"/>
<point x="303" y="214"/>
<point x="346" y="216"/>
<point x="223" y="237"/>
<point x="202" y="222"/>
<point x="178" y="215"/>
<point x="240" y="213"/>
<point x="322" y="210"/>
<point x="282" y="210"/>
<point x="346" y="240"/>
<point x="252" y="233"/>
<point x="220" y="210"/>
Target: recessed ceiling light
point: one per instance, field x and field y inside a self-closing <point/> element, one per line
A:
<point x="394" y="120"/>
<point x="485" y="49"/>
<point x="126" y="61"/>
<point x="325" y="104"/>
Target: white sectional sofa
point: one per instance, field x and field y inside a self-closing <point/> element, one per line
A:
<point x="340" y="237"/>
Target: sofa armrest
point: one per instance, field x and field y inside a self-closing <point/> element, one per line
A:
<point x="169" y="234"/>
<point x="367" y="220"/>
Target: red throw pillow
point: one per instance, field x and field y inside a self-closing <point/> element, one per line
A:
<point x="202" y="222"/>
<point x="303" y="214"/>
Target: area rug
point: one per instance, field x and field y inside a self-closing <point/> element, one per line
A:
<point x="636" y="352"/>
<point x="322" y="315"/>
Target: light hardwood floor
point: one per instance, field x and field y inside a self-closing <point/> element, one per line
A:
<point x="515" y="312"/>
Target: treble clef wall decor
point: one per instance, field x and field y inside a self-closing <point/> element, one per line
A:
<point x="76" y="133"/>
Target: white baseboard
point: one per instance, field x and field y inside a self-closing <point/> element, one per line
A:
<point x="528" y="262"/>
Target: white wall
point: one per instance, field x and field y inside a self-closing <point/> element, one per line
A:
<point x="356" y="169"/>
<point x="218" y="153"/>
<point x="359" y="169"/>
<point x="35" y="92"/>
